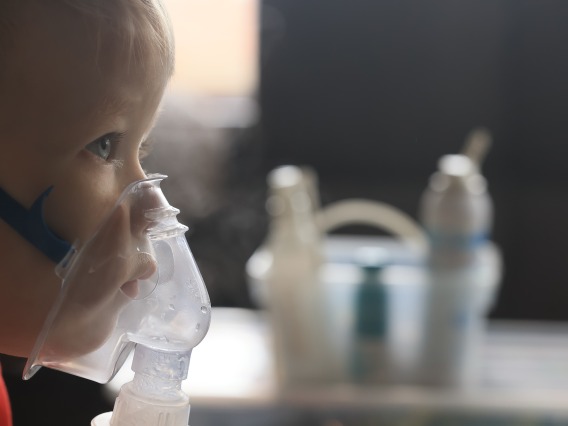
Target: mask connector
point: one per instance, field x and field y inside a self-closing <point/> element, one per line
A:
<point x="154" y="396"/>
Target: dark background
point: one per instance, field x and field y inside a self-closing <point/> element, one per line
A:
<point x="371" y="94"/>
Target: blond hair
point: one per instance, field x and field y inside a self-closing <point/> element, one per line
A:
<point x="141" y="26"/>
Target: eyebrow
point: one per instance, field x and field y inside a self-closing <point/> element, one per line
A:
<point x="115" y="105"/>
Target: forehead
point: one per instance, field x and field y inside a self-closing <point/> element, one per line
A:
<point x="66" y="65"/>
<point x="122" y="34"/>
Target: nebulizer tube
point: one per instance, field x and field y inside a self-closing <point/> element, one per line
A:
<point x="134" y="284"/>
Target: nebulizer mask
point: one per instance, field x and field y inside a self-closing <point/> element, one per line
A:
<point x="133" y="285"/>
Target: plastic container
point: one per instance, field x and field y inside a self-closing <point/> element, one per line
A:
<point x="456" y="212"/>
<point x="287" y="282"/>
<point x="462" y="271"/>
<point x="312" y="341"/>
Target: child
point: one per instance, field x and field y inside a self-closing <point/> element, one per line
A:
<point x="80" y="84"/>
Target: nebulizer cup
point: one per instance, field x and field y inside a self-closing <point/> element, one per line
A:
<point x="134" y="284"/>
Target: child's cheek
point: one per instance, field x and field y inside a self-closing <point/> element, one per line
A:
<point x="74" y="212"/>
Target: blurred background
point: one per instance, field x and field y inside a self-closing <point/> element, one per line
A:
<point x="370" y="94"/>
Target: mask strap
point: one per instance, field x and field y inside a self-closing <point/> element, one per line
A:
<point x="31" y="225"/>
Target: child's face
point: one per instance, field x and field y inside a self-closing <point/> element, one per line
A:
<point x="79" y="113"/>
<point x="74" y="111"/>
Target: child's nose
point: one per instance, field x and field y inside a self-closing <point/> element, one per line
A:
<point x="134" y="171"/>
<point x="148" y="198"/>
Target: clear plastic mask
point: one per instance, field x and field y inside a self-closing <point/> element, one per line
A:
<point x="135" y="281"/>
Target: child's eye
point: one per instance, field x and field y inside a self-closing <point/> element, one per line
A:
<point x="103" y="147"/>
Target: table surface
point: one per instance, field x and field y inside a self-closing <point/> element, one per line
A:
<point x="525" y="369"/>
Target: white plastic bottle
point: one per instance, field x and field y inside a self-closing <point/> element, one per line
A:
<point x="292" y="203"/>
<point x="285" y="277"/>
<point x="456" y="212"/>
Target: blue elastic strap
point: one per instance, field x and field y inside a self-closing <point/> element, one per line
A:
<point x="31" y="225"/>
